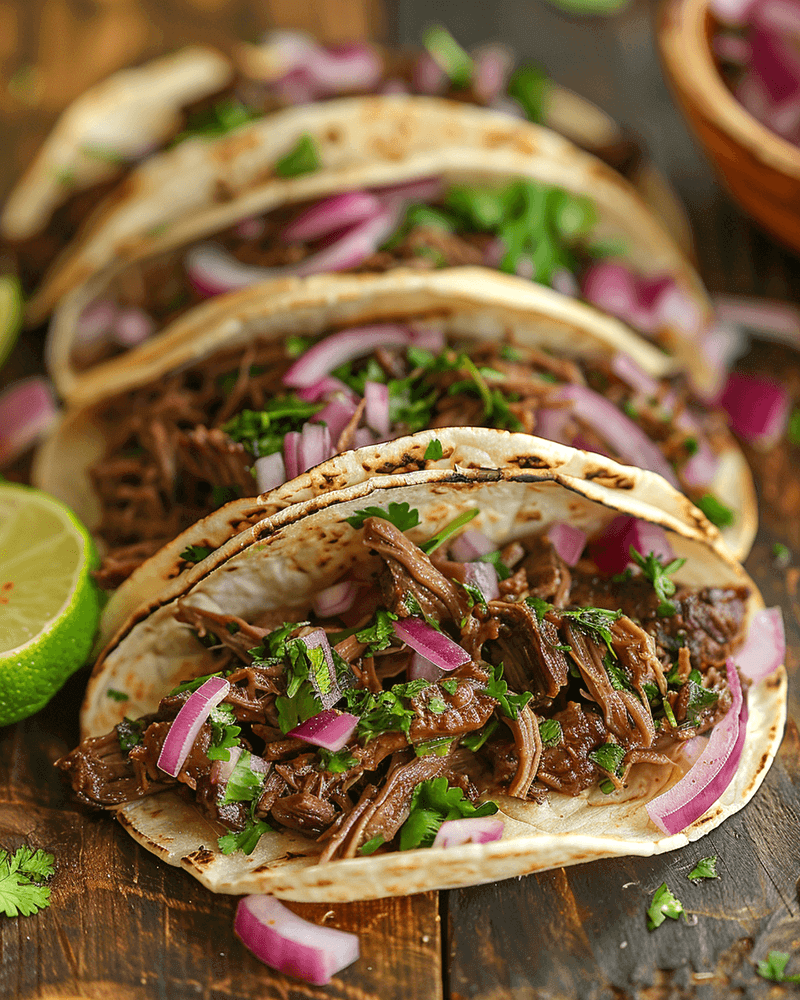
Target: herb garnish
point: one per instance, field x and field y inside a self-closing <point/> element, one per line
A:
<point x="434" y="450"/>
<point x="497" y="688"/>
<point x="449" y="56"/>
<point x="475" y="740"/>
<point x="433" y="802"/>
<point x="221" y="118"/>
<point x="224" y="732"/>
<point x="116" y="695"/>
<point x="658" y="574"/>
<point x="595" y="622"/>
<point x="193" y="684"/>
<point x="530" y="87"/>
<point x="705" y="868"/>
<point x="772" y="967"/>
<point x="22" y="875"/>
<point x="303" y="158"/>
<point x="372" y="845"/>
<point x="384" y="711"/>
<point x="379" y="634"/>
<point x="196" y="553"/>
<point x="398" y="514"/>
<point x="336" y="762"/>
<point x="262" y="431"/>
<point x="448" y="530"/>
<point x="793" y="428"/>
<point x="495" y="559"/>
<point x="663" y="905"/>
<point x="244" y="840"/>
<point x="244" y="784"/>
<point x="715" y="511"/>
<point x="609" y="757"/>
<point x="129" y="733"/>
<point x="550" y="732"/>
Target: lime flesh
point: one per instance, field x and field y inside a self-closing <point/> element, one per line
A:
<point x="49" y="606"/>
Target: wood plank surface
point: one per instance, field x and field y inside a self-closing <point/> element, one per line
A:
<point x="124" y="926"/>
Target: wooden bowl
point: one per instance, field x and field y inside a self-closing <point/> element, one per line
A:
<point x="759" y="168"/>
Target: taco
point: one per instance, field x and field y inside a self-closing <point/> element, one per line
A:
<point x="197" y="92"/>
<point x="362" y="694"/>
<point x="254" y="389"/>
<point x="368" y="184"/>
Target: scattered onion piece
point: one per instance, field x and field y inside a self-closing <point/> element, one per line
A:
<point x="328" y="690"/>
<point x="470" y="545"/>
<point x="493" y="64"/>
<point x="96" y="321"/>
<point x="765" y="647"/>
<point x="335" y="600"/>
<point x="221" y="770"/>
<point x="188" y="723"/>
<point x="633" y="375"/>
<point x="27" y="411"/>
<point x="332" y="215"/>
<point x="771" y="320"/>
<point x="483" y="576"/>
<point x="314" y="446"/>
<point x="326" y="386"/>
<point x="133" y="326"/>
<point x="319" y="360"/>
<point x="328" y="729"/>
<point x="568" y="541"/>
<point x="376" y="395"/>
<point x="711" y="773"/>
<point x="291" y="442"/>
<point x="287" y="943"/>
<point x="424" y="189"/>
<point x="436" y="646"/>
<point x="472" y="830"/>
<point x="270" y="472"/>
<point x="611" y="549"/>
<point x="758" y="408"/>
<point x="336" y="414"/>
<point x="421" y="668"/>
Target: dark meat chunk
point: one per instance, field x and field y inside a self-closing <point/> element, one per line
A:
<point x="528" y="745"/>
<point x="304" y="812"/>
<point x="530" y="654"/>
<point x="211" y="456"/>
<point x="466" y="710"/>
<point x="566" y="767"/>
<point x="711" y="620"/>
<point x="230" y="631"/>
<point x="548" y="575"/>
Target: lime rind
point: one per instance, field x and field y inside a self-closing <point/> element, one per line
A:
<point x="10" y="314"/>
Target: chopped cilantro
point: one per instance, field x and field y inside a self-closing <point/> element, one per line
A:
<point x="398" y="514"/>
<point x="793" y="428"/>
<point x="781" y="553"/>
<point x="609" y="757"/>
<point x="699" y="698"/>
<point x="233" y="627"/>
<point x="224" y="732"/>
<point x="427" y="217"/>
<point x="116" y="695"/>
<point x="450" y="685"/>
<point x="530" y="87"/>
<point x="663" y="905"/>
<point x="294" y="709"/>
<point x="449" y="530"/>
<point x="221" y="118"/>
<point x="433" y="802"/>
<point x="295" y="345"/>
<point x="509" y="702"/>
<point x="474" y="595"/>
<point x="617" y="676"/>
<point x="607" y="786"/>
<point x="658" y="574"/>
<point x="439" y="745"/>
<point x="475" y="740"/>
<point x="372" y="845"/>
<point x="715" y="511"/>
<point x="595" y="622"/>
<point x="21" y="876"/>
<point x="416" y="610"/>
<point x="378" y="635"/>
<point x="303" y="158"/>
<point x="496" y="560"/>
<point x="336" y="762"/>
<point x="669" y="714"/>
<point x="385" y="711"/>
<point x="262" y="431"/>
<point x="449" y="56"/>
<point x="705" y="868"/>
<point x="196" y="553"/>
<point x="244" y="784"/>
<point x="540" y="607"/>
<point x="773" y="966"/>
<point x="193" y="684"/>
<point x="129" y="734"/>
<point x="434" y="450"/>
<point x="550" y="732"/>
<point x="244" y="840"/>
<point x="436" y="705"/>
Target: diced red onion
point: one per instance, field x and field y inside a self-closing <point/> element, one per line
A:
<point x="775" y="64"/>
<point x="611" y="549"/>
<point x="436" y="646"/>
<point x="294" y="48"/>
<point x="394" y="85"/>
<point x="483" y="576"/>
<point x="626" y="437"/>
<point x="771" y="320"/>
<point x="376" y="412"/>
<point x="351" y="248"/>
<point x="720" y="345"/>
<point x="270" y="472"/>
<point x="221" y="770"/>
<point x="568" y="541"/>
<point x="471" y="544"/>
<point x="674" y="308"/>
<point x="421" y="668"/>
<point x="494" y="252"/>
<point x="332" y="215"/>
<point x="693" y="748"/>
<point x="472" y="830"/>
<point x="732" y="11"/>
<point x="335" y="600"/>
<point x="633" y="375"/>
<point x="330" y="730"/>
<point x="96" y="321"/>
<point x="363" y="438"/>
<point x="249" y="229"/>
<point x="133" y="326"/>
<point x="313" y="447"/>
<point x="188" y="723"/>
<point x="758" y="408"/>
<point x="27" y="411"/>
<point x="297" y="87"/>
<point x="731" y="49"/>
<point x="428" y="76"/>
<point x="565" y="283"/>
<point x="211" y="270"/>
<point x="289" y="944"/>
<point x="430" y="338"/>
<point x="326" y="386"/>
<point x="424" y="189"/>
<point x="291" y="442"/>
<point x="765" y="647"/>
<point x="346" y="345"/>
<point x="328" y="689"/>
<point x="782" y="16"/>
<point x="493" y="64"/>
<point x="337" y="414"/>
<point x="343" y="68"/>
<point x="711" y="773"/>
<point x="701" y="468"/>
<point x="613" y="288"/>
<point x="551" y="424"/>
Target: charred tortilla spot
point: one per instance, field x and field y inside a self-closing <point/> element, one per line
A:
<point x="613" y="480"/>
<point x="774" y="681"/>
<point x="333" y="135"/>
<point x="222" y="191"/>
<point x="530" y="462"/>
<point x="200" y="858"/>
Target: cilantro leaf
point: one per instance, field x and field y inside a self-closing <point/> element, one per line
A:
<point x="450" y="685"/>
<point x="244" y="784"/>
<point x="303" y="158"/>
<point x="475" y="740"/>
<point x="433" y="802"/>
<point x="224" y="732"/>
<point x="658" y="574"/>
<point x="495" y="559"/>
<point x="550" y="732"/>
<point x="222" y="117"/>
<point x="262" y="431"/>
<point x="705" y="868"/>
<point x="380" y="633"/>
<point x="384" y="711"/>
<point x="297" y="707"/>
<point x="398" y="514"/>
<point x="540" y="607"/>
<point x="449" y="530"/>
<point x="372" y="845"/>
<point x="793" y="428"/>
<point x="195" y="553"/>
<point x="336" y="762"/>
<point x="449" y="56"/>
<point x="509" y="702"/>
<point x="663" y="905"/>
<point x="244" y="840"/>
<point x="595" y="622"/>
<point x="716" y="511"/>
<point x="699" y="698"/>
<point x="116" y="695"/>
<point x="773" y="968"/>
<point x="530" y="87"/>
<point x="434" y="450"/>
<point x="129" y="734"/>
<point x="609" y="757"/>
<point x="21" y="878"/>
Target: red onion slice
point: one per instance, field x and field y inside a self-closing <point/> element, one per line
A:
<point x="771" y="320"/>
<point x="96" y="322"/>
<point x="363" y="438"/>
<point x="483" y="576"/>
<point x="493" y="64"/>
<point x="326" y="386"/>
<point x="211" y="270"/>
<point x="291" y="443"/>
<point x="428" y="76"/>
<point x="758" y="408"/>
<point x="330" y="730"/>
<point x="711" y="773"/>
<point x="352" y="247"/>
<point x="344" y="68"/>
<point x="551" y="424"/>
<point x="765" y="647"/>
<point x="430" y="338"/>
<point x="336" y="415"/>
<point x="424" y="189"/>
<point x="376" y="395"/>
<point x="568" y="541"/>
<point x="471" y="544"/>
<point x="611" y="549"/>
<point x="347" y="345"/>
<point x="335" y="600"/>
<point x="628" y="439"/>
<point x="133" y="326"/>
<point x="472" y="830"/>
<point x="289" y="944"/>
<point x="27" y="411"/>
<point x="332" y="215"/>
<point x="314" y="446"/>
<point x="188" y="723"/>
<point x="775" y="64"/>
<point x="701" y="469"/>
<point x="732" y="11"/>
<point x="436" y="646"/>
<point x="625" y="368"/>
<point x="781" y="16"/>
<point x="270" y="472"/>
<point x="421" y="668"/>
<point x="221" y="770"/>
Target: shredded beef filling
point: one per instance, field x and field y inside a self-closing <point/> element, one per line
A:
<point x="558" y="694"/>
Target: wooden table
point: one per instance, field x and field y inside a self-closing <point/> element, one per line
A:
<point x="121" y="925"/>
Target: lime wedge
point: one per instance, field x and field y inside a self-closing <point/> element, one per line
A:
<point x="49" y="604"/>
<point x="10" y="314"/>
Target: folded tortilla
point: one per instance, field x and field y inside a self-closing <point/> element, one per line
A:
<point x="362" y="143"/>
<point x="283" y="562"/>
<point x="468" y="304"/>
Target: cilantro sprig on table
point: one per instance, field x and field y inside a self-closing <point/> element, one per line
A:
<point x="23" y="875"/>
<point x="664" y="904"/>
